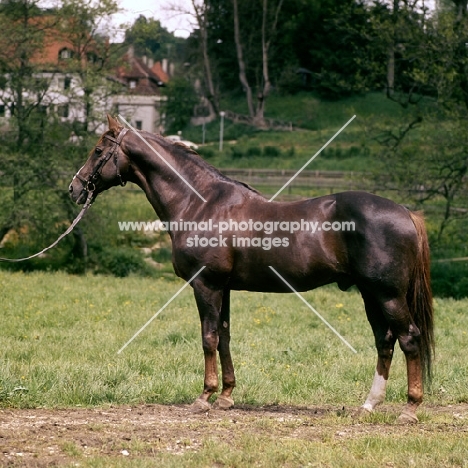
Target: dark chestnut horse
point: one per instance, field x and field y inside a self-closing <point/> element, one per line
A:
<point x="386" y="254"/>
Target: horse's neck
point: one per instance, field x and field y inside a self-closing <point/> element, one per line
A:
<point x="164" y="187"/>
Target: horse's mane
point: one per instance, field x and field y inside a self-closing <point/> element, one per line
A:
<point x="196" y="159"/>
<point x="187" y="153"/>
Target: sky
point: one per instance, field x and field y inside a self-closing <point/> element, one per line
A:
<point x="161" y="10"/>
<point x="158" y="9"/>
<point x="177" y="23"/>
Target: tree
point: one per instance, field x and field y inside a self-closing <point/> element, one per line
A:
<point x="433" y="166"/>
<point x="36" y="139"/>
<point x="179" y="104"/>
<point x="92" y="58"/>
<point x="269" y="22"/>
<point x="198" y="54"/>
<point x="201" y="15"/>
<point x="22" y="37"/>
<point x="151" y="39"/>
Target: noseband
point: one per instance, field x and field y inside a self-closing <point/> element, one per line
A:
<point x="90" y="183"/>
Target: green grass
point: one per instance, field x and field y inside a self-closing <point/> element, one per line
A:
<point x="318" y="121"/>
<point x="315" y="121"/>
<point x="59" y="340"/>
<point x="323" y="450"/>
<point x="60" y="337"/>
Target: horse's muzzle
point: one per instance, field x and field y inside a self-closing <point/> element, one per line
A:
<point x="77" y="192"/>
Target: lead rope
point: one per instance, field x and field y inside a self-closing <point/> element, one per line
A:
<point x="88" y="203"/>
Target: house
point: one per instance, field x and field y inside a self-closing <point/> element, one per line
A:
<point x="61" y="67"/>
<point x="141" y="98"/>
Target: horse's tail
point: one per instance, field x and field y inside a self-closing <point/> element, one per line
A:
<point x="419" y="296"/>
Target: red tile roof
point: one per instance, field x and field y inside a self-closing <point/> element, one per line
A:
<point x="147" y="81"/>
<point x="158" y="70"/>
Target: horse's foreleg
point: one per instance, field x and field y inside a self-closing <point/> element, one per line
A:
<point x="225" y="400"/>
<point x="209" y="307"/>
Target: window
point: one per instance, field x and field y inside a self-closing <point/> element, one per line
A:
<point x="132" y="84"/>
<point x="65" y="54"/>
<point x="93" y="58"/>
<point x="139" y="124"/>
<point x="63" y="111"/>
<point x="64" y="83"/>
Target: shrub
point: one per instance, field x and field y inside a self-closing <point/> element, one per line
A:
<point x="162" y="255"/>
<point x="450" y="279"/>
<point x="253" y="151"/>
<point x="119" y="261"/>
<point x="271" y="152"/>
<point x="206" y="152"/>
<point x="236" y="153"/>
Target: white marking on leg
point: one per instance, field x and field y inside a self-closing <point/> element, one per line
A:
<point x="377" y="392"/>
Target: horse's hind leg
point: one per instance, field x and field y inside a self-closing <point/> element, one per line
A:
<point x="225" y="400"/>
<point x="408" y="335"/>
<point x="410" y="344"/>
<point x="385" y="343"/>
<point x="401" y="327"/>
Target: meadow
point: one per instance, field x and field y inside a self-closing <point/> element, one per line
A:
<point x="59" y="340"/>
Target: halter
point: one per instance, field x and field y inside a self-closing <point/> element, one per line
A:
<point x="90" y="183"/>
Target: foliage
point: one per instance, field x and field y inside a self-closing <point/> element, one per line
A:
<point x="425" y="155"/>
<point x="450" y="279"/>
<point x="268" y="151"/>
<point x="179" y="104"/>
<point x="38" y="144"/>
<point x="120" y="261"/>
<point x="149" y="38"/>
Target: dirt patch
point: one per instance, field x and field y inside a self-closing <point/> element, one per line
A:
<point x="45" y="437"/>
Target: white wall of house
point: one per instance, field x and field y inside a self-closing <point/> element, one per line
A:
<point x="64" y="98"/>
<point x="143" y="112"/>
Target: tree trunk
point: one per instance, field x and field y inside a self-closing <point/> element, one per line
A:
<point x="201" y="20"/>
<point x="257" y="114"/>
<point x="460" y="8"/>
<point x="259" y="118"/>
<point x="391" y="51"/>
<point x="240" y="60"/>
<point x="391" y="70"/>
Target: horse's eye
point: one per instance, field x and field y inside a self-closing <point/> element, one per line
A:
<point x="98" y="151"/>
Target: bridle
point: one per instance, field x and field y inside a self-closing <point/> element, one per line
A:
<point x="89" y="184"/>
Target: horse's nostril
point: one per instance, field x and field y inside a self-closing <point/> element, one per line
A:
<point x="70" y="188"/>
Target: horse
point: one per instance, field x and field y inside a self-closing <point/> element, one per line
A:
<point x="386" y="255"/>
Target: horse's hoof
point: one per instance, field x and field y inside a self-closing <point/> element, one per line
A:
<point x="407" y="418"/>
<point x="361" y="412"/>
<point x="223" y="403"/>
<point x="200" y="406"/>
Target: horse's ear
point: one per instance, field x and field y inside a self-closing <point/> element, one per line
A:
<point x="113" y="124"/>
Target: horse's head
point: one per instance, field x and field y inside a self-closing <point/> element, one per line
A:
<point x="105" y="167"/>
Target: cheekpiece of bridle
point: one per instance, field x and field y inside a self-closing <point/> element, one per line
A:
<point x="90" y="183"/>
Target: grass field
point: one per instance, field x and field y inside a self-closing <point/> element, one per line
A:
<point x="59" y="340"/>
